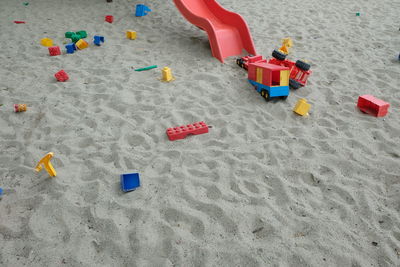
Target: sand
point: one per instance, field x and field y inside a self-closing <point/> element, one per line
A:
<point x="264" y="187"/>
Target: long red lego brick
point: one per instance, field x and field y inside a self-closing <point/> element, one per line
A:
<point x="181" y="132"/>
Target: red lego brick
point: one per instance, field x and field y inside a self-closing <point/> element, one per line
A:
<point x="61" y="76"/>
<point x="181" y="132"/>
<point x="109" y="18"/>
<point x="372" y="105"/>
<point x="54" y="51"/>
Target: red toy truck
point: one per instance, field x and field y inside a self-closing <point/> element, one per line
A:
<point x="299" y="70"/>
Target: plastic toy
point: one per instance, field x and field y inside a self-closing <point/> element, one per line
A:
<point x="54" y="51"/>
<point x="61" y="76"/>
<point x="26" y="3"/>
<point x="46" y="42"/>
<point x="142" y="10"/>
<point x="147" y="68"/>
<point x="131" y="35"/>
<point x="269" y="80"/>
<point x="82" y="34"/>
<point x="372" y="105"/>
<point x="19" y="107"/>
<point x="45" y="161"/>
<point x="286" y="44"/>
<point x="227" y="31"/>
<point x="98" y="40"/>
<point x="302" y="107"/>
<point x="299" y="70"/>
<point x="109" y="19"/>
<point x="357" y="14"/>
<point x="69" y="34"/>
<point x="81" y="44"/>
<point x="19" y="22"/>
<point x="130" y="181"/>
<point x="70" y="48"/>
<point x="1" y="191"/>
<point x="181" y="132"/>
<point x="167" y="75"/>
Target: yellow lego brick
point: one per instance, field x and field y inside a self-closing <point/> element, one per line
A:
<point x="167" y="75"/>
<point x="46" y="42"/>
<point x="82" y="44"/>
<point x="302" y="107"/>
<point x="131" y="35"/>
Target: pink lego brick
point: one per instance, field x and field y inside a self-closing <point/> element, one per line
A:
<point x="109" y="19"/>
<point x="372" y="105"/>
<point x="181" y="132"/>
<point x="54" y="51"/>
<point x="61" y="76"/>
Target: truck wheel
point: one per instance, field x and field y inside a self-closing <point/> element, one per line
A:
<point x="278" y="55"/>
<point x="239" y="62"/>
<point x="294" y="84"/>
<point x="265" y="94"/>
<point x="302" y="65"/>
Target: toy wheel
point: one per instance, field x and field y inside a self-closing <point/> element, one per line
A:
<point x="302" y="65"/>
<point x="239" y="62"/>
<point x="278" y="55"/>
<point x="265" y="94"/>
<point x="294" y="84"/>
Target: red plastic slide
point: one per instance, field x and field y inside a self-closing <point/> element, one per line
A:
<point x="227" y="31"/>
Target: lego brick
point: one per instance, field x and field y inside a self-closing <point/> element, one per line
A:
<point x="81" y="44"/>
<point x="109" y="19"/>
<point x="130" y="181"/>
<point x="131" y="35"/>
<point x="70" y="48"/>
<point x="1" y="191"/>
<point x="19" y="107"/>
<point x="19" y="22"/>
<point x="54" y="51"/>
<point x="61" y="76"/>
<point x="97" y="40"/>
<point x="82" y="34"/>
<point x="181" y="132"/>
<point x="69" y="34"/>
<point x="142" y="10"/>
<point x="46" y="42"/>
<point x="372" y="105"/>
<point x="302" y="107"/>
<point x="167" y="75"/>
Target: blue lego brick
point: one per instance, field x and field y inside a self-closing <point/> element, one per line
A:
<point x="273" y="91"/>
<point x="98" y="40"/>
<point x="1" y="191"/>
<point x="130" y="181"/>
<point x="142" y="10"/>
<point x="70" y="48"/>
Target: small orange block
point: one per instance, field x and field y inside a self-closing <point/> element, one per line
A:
<point x="131" y="35"/>
<point x="82" y="44"/>
<point x="19" y="107"/>
<point x="302" y="107"/>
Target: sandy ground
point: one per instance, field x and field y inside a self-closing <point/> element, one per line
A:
<point x="264" y="188"/>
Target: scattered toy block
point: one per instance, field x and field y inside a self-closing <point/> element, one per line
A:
<point x="142" y="10"/>
<point x="69" y="34"/>
<point x="167" y="75"/>
<point x="302" y="107"/>
<point x="131" y="35"/>
<point x="82" y="34"/>
<point x="46" y="42"/>
<point x="19" y="22"/>
<point x="19" y="107"/>
<point x="109" y="19"/>
<point x="373" y="106"/>
<point x="45" y="161"/>
<point x="82" y="44"/>
<point x="54" y="51"/>
<point x="61" y="76"/>
<point x="70" y="48"/>
<point x="1" y="191"/>
<point x="130" y="181"/>
<point x="181" y="132"/>
<point x="97" y="40"/>
<point x="358" y="14"/>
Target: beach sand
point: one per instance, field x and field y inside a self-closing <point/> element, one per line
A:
<point x="265" y="187"/>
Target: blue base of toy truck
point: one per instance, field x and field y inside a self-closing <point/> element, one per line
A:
<point x="130" y="181"/>
<point x="273" y="91"/>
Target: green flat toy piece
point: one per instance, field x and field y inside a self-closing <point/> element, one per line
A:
<point x="147" y="68"/>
